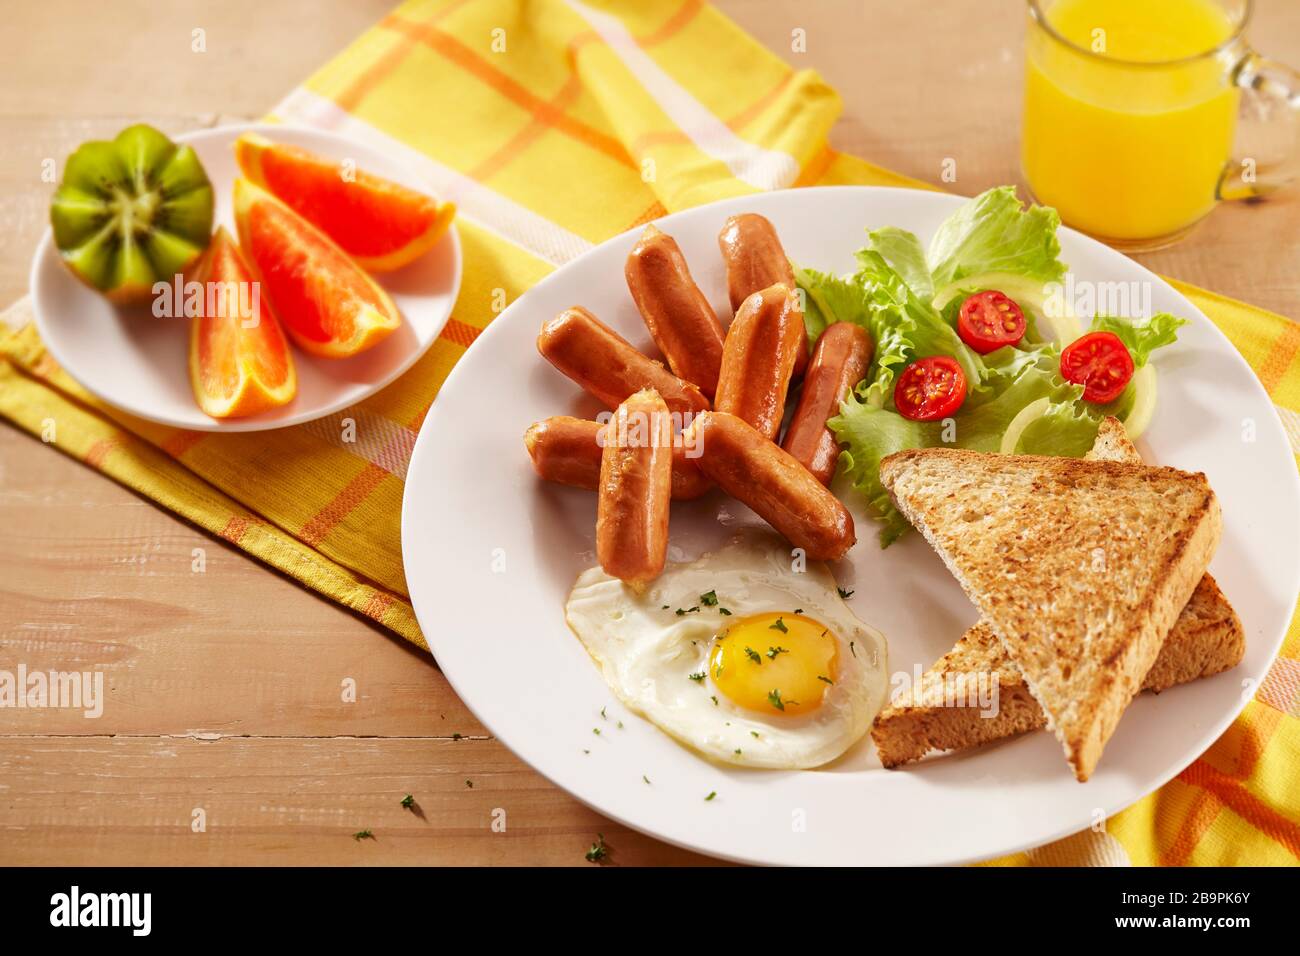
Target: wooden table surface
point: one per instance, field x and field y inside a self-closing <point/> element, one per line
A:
<point x="219" y="744"/>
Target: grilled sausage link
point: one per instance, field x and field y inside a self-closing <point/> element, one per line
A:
<point x="679" y="317"/>
<point x="759" y="358"/>
<point x="839" y="362"/>
<point x="606" y="364"/>
<point x="783" y="492"/>
<point x="755" y="260"/>
<point x="635" y="488"/>
<point x="568" y="450"/>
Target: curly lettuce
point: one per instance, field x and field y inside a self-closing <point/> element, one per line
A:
<point x="903" y="326"/>
<point x="1141" y="336"/>
<point x="992" y="234"/>
<point x="907" y="298"/>
<point x="903" y="252"/>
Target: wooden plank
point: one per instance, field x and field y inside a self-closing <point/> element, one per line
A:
<point x="294" y="800"/>
<point x="97" y="578"/>
<point x="134" y="57"/>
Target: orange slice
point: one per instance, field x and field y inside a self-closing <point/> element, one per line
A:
<point x="380" y="224"/>
<point x="239" y="359"/>
<point x="328" y="305"/>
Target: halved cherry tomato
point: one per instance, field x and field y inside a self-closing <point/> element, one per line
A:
<point x="989" y="320"/>
<point x="1101" y="363"/>
<point x="930" y="388"/>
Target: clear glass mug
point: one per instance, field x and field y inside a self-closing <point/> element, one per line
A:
<point x="1137" y="150"/>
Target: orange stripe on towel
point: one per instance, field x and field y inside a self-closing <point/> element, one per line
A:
<point x="474" y="64"/>
<point x="378" y="71"/>
<point x="1280" y="357"/>
<point x="353" y="493"/>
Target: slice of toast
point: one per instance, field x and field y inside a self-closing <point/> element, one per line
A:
<point x="1079" y="567"/>
<point x="1206" y="639"/>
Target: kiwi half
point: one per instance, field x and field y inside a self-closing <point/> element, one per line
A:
<point x="132" y="212"/>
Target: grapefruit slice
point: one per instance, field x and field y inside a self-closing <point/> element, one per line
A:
<point x="328" y="304"/>
<point x="380" y="224"/>
<point x="239" y="359"/>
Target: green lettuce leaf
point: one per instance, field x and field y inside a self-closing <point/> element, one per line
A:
<point x="904" y="328"/>
<point x="903" y="325"/>
<point x="827" y="299"/>
<point x="1142" y="336"/>
<point x="993" y="234"/>
<point x="903" y="253"/>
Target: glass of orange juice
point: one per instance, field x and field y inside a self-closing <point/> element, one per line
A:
<point x="1140" y="115"/>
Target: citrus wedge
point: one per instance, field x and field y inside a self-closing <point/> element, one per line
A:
<point x="239" y="359"/>
<point x="380" y="224"/>
<point x="328" y="305"/>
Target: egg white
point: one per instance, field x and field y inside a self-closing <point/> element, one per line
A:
<point x="647" y="653"/>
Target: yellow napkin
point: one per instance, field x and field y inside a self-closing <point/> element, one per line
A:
<point x="554" y="125"/>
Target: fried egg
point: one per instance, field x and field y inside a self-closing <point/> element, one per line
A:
<point x="742" y="655"/>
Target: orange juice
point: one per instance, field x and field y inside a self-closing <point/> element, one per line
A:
<point x="1128" y="123"/>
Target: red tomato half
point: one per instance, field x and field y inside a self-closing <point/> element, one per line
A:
<point x="1101" y="363"/>
<point x="930" y="388"/>
<point x="989" y="320"/>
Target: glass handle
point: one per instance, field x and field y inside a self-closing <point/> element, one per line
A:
<point x="1268" y="130"/>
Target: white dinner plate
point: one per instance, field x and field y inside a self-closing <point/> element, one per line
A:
<point x="491" y="553"/>
<point x="139" y="363"/>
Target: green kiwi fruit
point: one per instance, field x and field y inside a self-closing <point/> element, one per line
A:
<point x="132" y="212"/>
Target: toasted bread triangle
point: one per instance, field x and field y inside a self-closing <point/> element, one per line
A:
<point x="1079" y="567"/>
<point x="1206" y="639"/>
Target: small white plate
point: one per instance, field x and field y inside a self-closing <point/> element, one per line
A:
<point x="491" y="553"/>
<point x="139" y="363"/>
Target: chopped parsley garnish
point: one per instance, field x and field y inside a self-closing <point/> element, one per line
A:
<point x="844" y="594"/>
<point x="709" y="599"/>
<point x="697" y="677"/>
<point x="737" y="751"/>
<point x="456" y="736"/>
<point x="773" y="651"/>
<point x="779" y="626"/>
<point x="363" y="835"/>
<point x="408" y="801"/>
<point x="712" y="794"/>
<point x="774" y="698"/>
<point x="723" y="610"/>
<point x="663" y="607"/>
<point x="753" y="655"/>
<point x="596" y="731"/>
<point x="681" y="612"/>
<point x="851" y="650"/>
<point x="599" y="851"/>
<point x="798" y="610"/>
<point x="646" y="779"/>
<point x="602" y="714"/>
<point x="754" y="734"/>
<point x="714" y="698"/>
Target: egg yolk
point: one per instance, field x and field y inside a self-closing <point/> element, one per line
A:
<point x="775" y="663"/>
